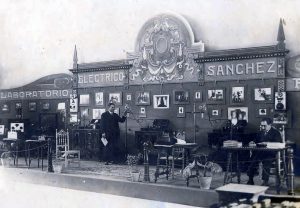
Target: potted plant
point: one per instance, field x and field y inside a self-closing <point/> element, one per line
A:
<point x="58" y="166"/>
<point x="204" y="171"/>
<point x="209" y="169"/>
<point x="132" y="161"/>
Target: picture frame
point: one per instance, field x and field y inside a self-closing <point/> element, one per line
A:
<point x="73" y="118"/>
<point x="215" y="113"/>
<point x="73" y="105"/>
<point x="142" y="98"/>
<point x="282" y="118"/>
<point x="2" y="128"/>
<point x="241" y="111"/>
<point x="115" y="97"/>
<point x="216" y="96"/>
<point x="5" y="107"/>
<point x="46" y="106"/>
<point x="161" y="101"/>
<point x="238" y="95"/>
<point x="97" y="112"/>
<point x="198" y="97"/>
<point x="18" y="105"/>
<point x="262" y="111"/>
<point x="181" y="112"/>
<point x="99" y="98"/>
<point x="181" y="97"/>
<point x="128" y="97"/>
<point x="32" y="106"/>
<point x="263" y="94"/>
<point x="84" y="99"/>
<point x="142" y="112"/>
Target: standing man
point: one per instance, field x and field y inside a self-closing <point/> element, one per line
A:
<point x="111" y="132"/>
<point x="267" y="134"/>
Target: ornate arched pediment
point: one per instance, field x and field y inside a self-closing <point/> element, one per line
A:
<point x="164" y="50"/>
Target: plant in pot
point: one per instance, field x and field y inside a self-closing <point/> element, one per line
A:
<point x="209" y="169"/>
<point x="204" y="171"/>
<point x="58" y="166"/>
<point x="133" y="161"/>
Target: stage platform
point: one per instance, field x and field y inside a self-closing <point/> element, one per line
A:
<point x="115" y="179"/>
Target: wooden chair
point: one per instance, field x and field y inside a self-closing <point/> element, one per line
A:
<point x="63" y="148"/>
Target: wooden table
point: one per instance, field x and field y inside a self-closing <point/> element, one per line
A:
<point x="170" y="148"/>
<point x="231" y="150"/>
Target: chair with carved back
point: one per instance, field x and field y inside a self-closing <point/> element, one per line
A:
<point x="63" y="150"/>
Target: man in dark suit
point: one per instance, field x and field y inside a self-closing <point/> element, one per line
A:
<point x="111" y="132"/>
<point x="267" y="134"/>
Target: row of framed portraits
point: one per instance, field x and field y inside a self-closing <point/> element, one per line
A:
<point x="32" y="106"/>
<point x="181" y="97"/>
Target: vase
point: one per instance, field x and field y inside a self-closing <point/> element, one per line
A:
<point x="135" y="176"/>
<point x="205" y="182"/>
<point x="58" y="168"/>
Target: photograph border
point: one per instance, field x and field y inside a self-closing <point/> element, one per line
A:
<point x="155" y="97"/>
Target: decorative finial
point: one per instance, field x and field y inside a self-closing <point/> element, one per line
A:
<point x="75" y="59"/>
<point x="281" y="36"/>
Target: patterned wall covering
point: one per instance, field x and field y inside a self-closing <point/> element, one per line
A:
<point x="164" y="52"/>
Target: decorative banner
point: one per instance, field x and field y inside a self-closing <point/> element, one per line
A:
<point x="241" y="69"/>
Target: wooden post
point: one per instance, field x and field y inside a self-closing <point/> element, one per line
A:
<point x="50" y="165"/>
<point x="290" y="173"/>
<point x="146" y="162"/>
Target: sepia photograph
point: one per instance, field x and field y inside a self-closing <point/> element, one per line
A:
<point x="96" y="97"/>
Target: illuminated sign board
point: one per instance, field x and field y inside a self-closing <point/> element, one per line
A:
<point x="101" y="78"/>
<point x="241" y="69"/>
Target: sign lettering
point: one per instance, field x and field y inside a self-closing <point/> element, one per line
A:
<point x="242" y="69"/>
<point x="102" y="78"/>
<point x="41" y="94"/>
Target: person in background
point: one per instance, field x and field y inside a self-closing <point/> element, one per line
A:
<point x="267" y="134"/>
<point x="110" y="130"/>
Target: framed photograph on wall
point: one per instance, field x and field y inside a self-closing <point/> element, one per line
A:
<point x="18" y="106"/>
<point x="46" y="106"/>
<point x="237" y="95"/>
<point x="216" y="96"/>
<point x="198" y="96"/>
<point x="262" y="112"/>
<point x="142" y="112"/>
<point x="73" y="118"/>
<point x="97" y="112"/>
<point x="263" y="94"/>
<point x="282" y="117"/>
<point x="84" y="99"/>
<point x="115" y="97"/>
<point x="215" y="113"/>
<point x="181" y="97"/>
<point x="32" y="106"/>
<point x="99" y="98"/>
<point x="5" y="108"/>
<point x="181" y="112"/>
<point x="2" y="129"/>
<point x="142" y="98"/>
<point x="161" y="101"/>
<point x="128" y="97"/>
<point x="240" y="112"/>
